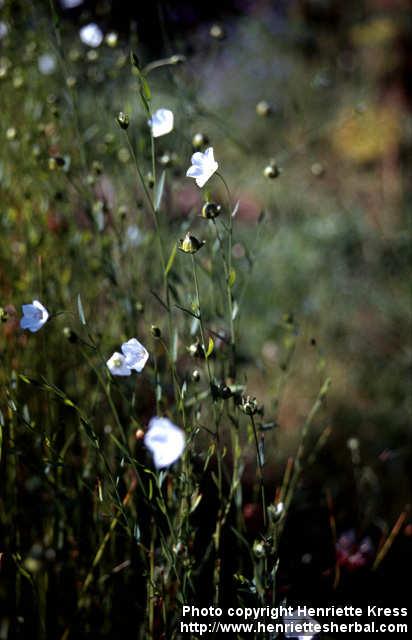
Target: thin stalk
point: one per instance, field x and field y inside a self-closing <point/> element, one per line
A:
<point x="228" y="277"/>
<point x="260" y="467"/>
<point x="150" y="590"/>
<point x="200" y="317"/>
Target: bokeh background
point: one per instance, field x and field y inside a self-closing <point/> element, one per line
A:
<point x="323" y="251"/>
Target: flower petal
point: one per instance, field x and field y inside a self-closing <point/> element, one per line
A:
<point x="161" y="122"/>
<point x="194" y="172"/>
<point x="136" y="355"/>
<point x="117" y="365"/>
<point x="198" y="158"/>
<point x="209" y="154"/>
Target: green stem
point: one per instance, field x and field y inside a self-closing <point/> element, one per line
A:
<point x="228" y="278"/>
<point x="260" y="467"/>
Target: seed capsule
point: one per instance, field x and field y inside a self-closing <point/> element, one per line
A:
<point x="259" y="549"/>
<point x="123" y="120"/>
<point x="155" y="331"/>
<point x="196" y="350"/>
<point x="70" y="335"/>
<point x="111" y="39"/>
<point x="210" y="210"/>
<point x="249" y="405"/>
<point x="199" y="140"/>
<point x="271" y="171"/>
<point x="217" y="32"/>
<point x="263" y="109"/>
<point x="190" y="244"/>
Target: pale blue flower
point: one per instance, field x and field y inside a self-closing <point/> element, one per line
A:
<point x="91" y="34"/>
<point x="161" y="122"/>
<point x="133" y="357"/>
<point x="46" y="64"/>
<point x="117" y="365"/>
<point x="135" y="353"/>
<point x="165" y="441"/>
<point x="35" y="315"/>
<point x="203" y="166"/>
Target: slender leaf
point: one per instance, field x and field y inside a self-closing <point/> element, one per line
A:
<point x="171" y="259"/>
<point x="210" y="347"/>
<point x="81" y="310"/>
<point x="159" y="190"/>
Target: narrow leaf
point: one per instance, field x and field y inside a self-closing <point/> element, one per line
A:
<point x="145" y="89"/>
<point x="81" y="310"/>
<point x="210" y="347"/>
<point x="195" y="501"/>
<point x="171" y="259"/>
<point x="236" y="209"/>
<point x="159" y="190"/>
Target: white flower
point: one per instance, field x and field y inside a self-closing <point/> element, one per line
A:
<point x="134" y="236"/>
<point x="34" y="316"/>
<point x="133" y="356"/>
<point x="135" y="353"/>
<point x="46" y="64"/>
<point x="295" y="619"/>
<point x="91" y="35"/>
<point x="70" y="4"/>
<point x="165" y="441"/>
<point x="161" y="122"/>
<point x="3" y="29"/>
<point x="203" y="166"/>
<point x="117" y="365"/>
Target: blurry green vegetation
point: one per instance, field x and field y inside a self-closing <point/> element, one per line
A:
<point x="322" y="259"/>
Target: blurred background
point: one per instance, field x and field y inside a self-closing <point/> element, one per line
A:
<point x="322" y="90"/>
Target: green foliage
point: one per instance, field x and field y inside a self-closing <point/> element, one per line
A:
<point x="297" y="283"/>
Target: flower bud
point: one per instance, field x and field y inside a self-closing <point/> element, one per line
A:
<point x="155" y="331"/>
<point x="259" y="549"/>
<point x="217" y="32"/>
<point x="249" y="405"/>
<point x="74" y="55"/>
<point x="18" y="81"/>
<point x="11" y="133"/>
<point x="190" y="244"/>
<point x="166" y="160"/>
<point x="70" y="335"/>
<point x="196" y="350"/>
<point x="123" y="120"/>
<point x="177" y="58"/>
<point x="139" y="435"/>
<point x="199" y="140"/>
<point x="271" y="171"/>
<point x="150" y="180"/>
<point x="276" y="511"/>
<point x="92" y="55"/>
<point x="263" y="109"/>
<point x="196" y="375"/>
<point x="124" y="155"/>
<point x="222" y="391"/>
<point x="210" y="210"/>
<point x="111" y="39"/>
<point x="353" y="444"/>
<point x="178" y="548"/>
<point x="317" y="169"/>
